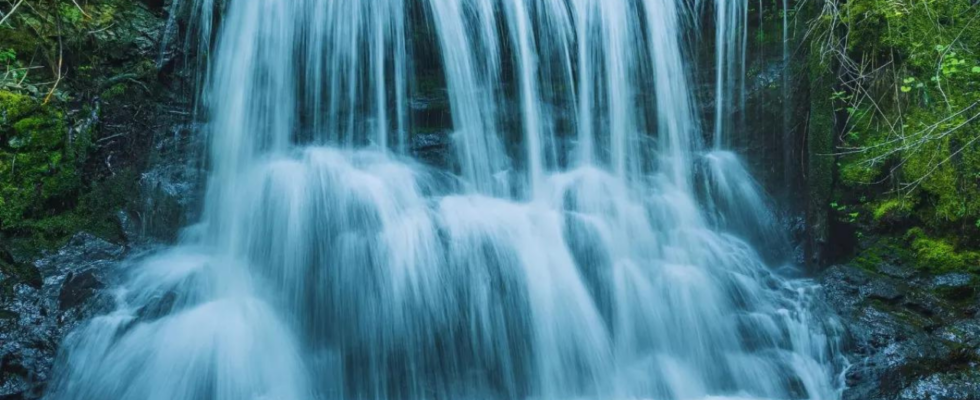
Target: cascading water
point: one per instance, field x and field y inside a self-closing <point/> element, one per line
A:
<point x="595" y="253"/>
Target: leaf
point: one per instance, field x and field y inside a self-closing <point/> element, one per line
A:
<point x="976" y="70"/>
<point x="906" y="89"/>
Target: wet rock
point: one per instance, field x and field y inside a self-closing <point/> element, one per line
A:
<point x="955" y="286"/>
<point x="881" y="290"/>
<point x="926" y="304"/>
<point x="12" y="271"/>
<point x="158" y="308"/>
<point x="896" y="270"/>
<point x="78" y="289"/>
<point x="170" y="189"/>
<point x="962" y="385"/>
<point x="908" y="339"/>
<point x="130" y="227"/>
<point x="432" y="148"/>
<point x="35" y="318"/>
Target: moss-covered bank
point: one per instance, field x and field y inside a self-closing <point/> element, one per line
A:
<point x="905" y="161"/>
<point x="81" y="89"/>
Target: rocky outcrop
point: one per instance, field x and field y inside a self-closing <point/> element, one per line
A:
<point x="912" y="336"/>
<point x="35" y="316"/>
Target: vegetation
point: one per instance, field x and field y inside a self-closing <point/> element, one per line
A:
<point x="67" y="68"/>
<point x="908" y="101"/>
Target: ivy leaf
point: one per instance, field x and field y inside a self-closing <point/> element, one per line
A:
<point x="906" y="89"/>
<point x="976" y="70"/>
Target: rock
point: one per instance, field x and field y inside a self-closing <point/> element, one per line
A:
<point x="906" y="342"/>
<point x="78" y="289"/>
<point x="962" y="385"/>
<point x="896" y="270"/>
<point x="169" y="190"/>
<point x="881" y="290"/>
<point x="130" y="227"/>
<point x="17" y="272"/>
<point x="432" y="148"/>
<point x="954" y="286"/>
<point x="34" y="319"/>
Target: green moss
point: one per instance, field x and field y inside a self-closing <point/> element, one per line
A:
<point x="116" y="90"/>
<point x="40" y="171"/>
<point x="941" y="255"/>
<point x="45" y="130"/>
<point x="53" y="181"/>
<point x="13" y="106"/>
<point x="859" y="173"/>
<point x="891" y="209"/>
<point x="888" y="250"/>
<point x="910" y="144"/>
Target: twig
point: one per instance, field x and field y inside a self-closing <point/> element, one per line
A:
<point x="102" y="30"/>
<point x="61" y="51"/>
<point x="11" y="12"/>
<point x="107" y="138"/>
<point x="56" y="81"/>
<point x="81" y="9"/>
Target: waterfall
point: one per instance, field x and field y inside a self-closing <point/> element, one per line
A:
<point x="579" y="243"/>
<point x="787" y="101"/>
<point x="731" y="40"/>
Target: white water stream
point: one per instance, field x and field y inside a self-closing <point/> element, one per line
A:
<point x="581" y="243"/>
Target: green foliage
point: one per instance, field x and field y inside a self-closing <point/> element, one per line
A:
<point x="910" y="90"/>
<point x="926" y="253"/>
<point x="39" y="167"/>
<point x="43" y="195"/>
<point x="941" y="255"/>
<point x="57" y="59"/>
<point x="891" y="209"/>
<point x="845" y="213"/>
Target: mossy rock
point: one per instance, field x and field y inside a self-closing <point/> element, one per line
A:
<point x="13" y="106"/>
<point x="938" y="255"/>
<point x="892" y="210"/>
<point x="15" y="273"/>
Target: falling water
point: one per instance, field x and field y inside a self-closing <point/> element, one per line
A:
<point x="787" y="142"/>
<point x="731" y="39"/>
<point x="579" y="244"/>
